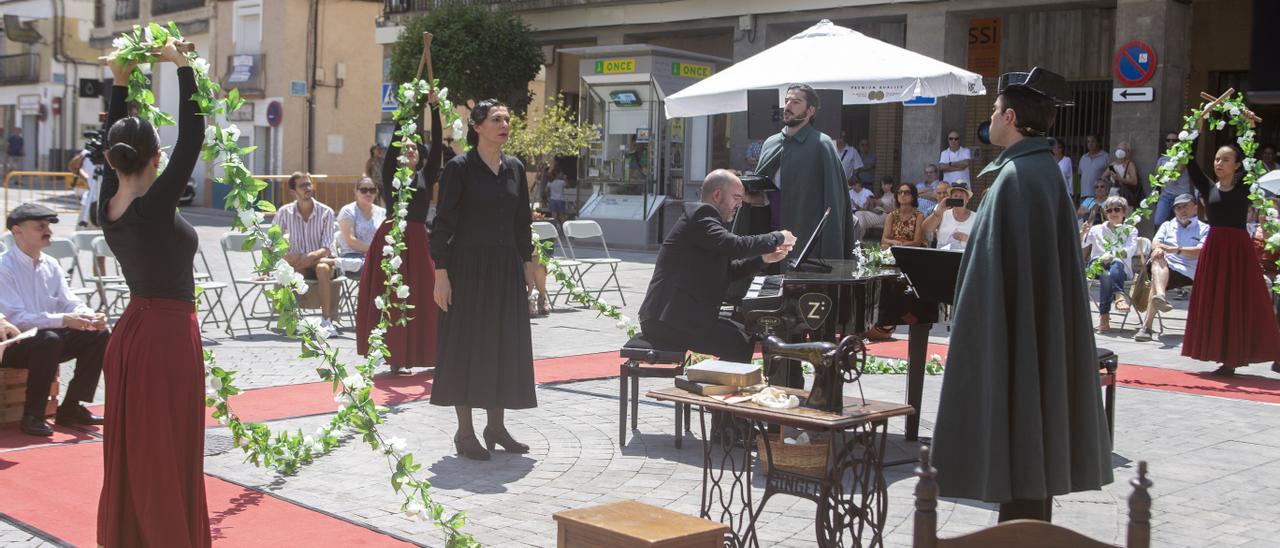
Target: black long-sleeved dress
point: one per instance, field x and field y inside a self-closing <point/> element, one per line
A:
<point x="482" y="239"/>
<point x="413" y="344"/>
<point x="153" y="451"/>
<point x="1230" y="319"/>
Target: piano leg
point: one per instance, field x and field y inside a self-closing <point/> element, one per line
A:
<point x="917" y="354"/>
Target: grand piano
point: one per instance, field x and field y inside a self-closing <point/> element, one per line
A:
<point x="851" y="299"/>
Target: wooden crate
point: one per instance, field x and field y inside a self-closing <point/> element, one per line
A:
<point x="13" y="392"/>
<point x="630" y="524"/>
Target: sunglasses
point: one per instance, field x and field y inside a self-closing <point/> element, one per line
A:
<point x="904" y="192"/>
<point x="368" y="190"/>
<point x="1115" y="210"/>
<point x="1170" y="139"/>
<point x="953" y="138"/>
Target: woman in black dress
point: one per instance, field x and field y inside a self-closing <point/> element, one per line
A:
<point x="153" y="448"/>
<point x="413" y="344"/>
<point x="483" y="249"/>
<point x="1229" y="320"/>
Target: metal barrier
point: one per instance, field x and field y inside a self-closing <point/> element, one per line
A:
<point x="56" y="189"/>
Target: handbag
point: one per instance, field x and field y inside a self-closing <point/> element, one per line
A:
<point x="1141" y="288"/>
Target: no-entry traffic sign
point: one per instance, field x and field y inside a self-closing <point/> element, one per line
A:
<point x="1135" y="63"/>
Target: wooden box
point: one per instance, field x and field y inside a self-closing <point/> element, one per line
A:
<point x="630" y="524"/>
<point x="13" y="395"/>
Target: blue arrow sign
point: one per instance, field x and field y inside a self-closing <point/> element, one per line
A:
<point x="921" y="102"/>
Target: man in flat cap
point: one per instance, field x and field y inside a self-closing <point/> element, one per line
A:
<point x="1021" y="419"/>
<point x="34" y="294"/>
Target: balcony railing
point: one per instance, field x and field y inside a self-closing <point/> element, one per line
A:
<point x="21" y="68"/>
<point x="393" y="7"/>
<point x="126" y="10"/>
<point x="161" y="7"/>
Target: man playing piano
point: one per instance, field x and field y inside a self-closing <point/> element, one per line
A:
<point x="1020" y="419"/>
<point x="698" y="260"/>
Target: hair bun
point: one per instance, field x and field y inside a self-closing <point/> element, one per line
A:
<point x="124" y="151"/>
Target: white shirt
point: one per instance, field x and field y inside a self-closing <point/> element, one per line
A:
<point x="850" y="159"/>
<point x="1099" y="234"/>
<point x="1174" y="234"/>
<point x="860" y="198"/>
<point x="950" y="227"/>
<point x="363" y="228"/>
<point x="555" y="189"/>
<point x="950" y="157"/>
<point x="1064" y="165"/>
<point x="35" y="293"/>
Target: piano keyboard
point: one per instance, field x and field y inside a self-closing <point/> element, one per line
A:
<point x="765" y="286"/>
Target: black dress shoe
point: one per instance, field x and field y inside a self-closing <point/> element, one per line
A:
<point x="35" y="426"/>
<point x="76" y="416"/>
<point x="503" y="438"/>
<point x="470" y="447"/>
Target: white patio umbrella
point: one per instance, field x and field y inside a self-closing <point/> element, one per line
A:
<point x="828" y="56"/>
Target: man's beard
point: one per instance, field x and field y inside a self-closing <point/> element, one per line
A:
<point x="795" y="122"/>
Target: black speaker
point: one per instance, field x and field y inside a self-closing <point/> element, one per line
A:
<point x="1264" y="65"/>
<point x="90" y="88"/>
<point x="764" y="117"/>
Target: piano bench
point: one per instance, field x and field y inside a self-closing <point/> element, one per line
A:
<point x="1108" y="362"/>
<point x="644" y="359"/>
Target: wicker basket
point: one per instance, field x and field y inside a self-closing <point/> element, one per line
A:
<point x="810" y="460"/>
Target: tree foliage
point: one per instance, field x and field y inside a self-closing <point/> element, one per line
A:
<point x="476" y="52"/>
<point x="555" y="133"/>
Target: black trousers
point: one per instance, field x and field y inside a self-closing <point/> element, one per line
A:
<point x="1027" y="509"/>
<point x="40" y="356"/>
<point x="724" y="339"/>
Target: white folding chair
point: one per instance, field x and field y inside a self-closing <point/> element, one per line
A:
<point x="210" y="292"/>
<point x="350" y="281"/>
<point x="585" y="230"/>
<point x="547" y="231"/>
<point x="232" y="243"/>
<point x="112" y="289"/>
<point x="84" y="242"/>
<point x="63" y="249"/>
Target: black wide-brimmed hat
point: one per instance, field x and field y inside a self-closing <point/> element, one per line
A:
<point x="1039" y="81"/>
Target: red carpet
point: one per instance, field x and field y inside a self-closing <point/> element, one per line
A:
<point x="1241" y="387"/>
<point x="55" y="489"/>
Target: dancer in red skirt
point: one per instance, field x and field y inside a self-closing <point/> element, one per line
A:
<point x="1230" y="320"/>
<point x="153" y="444"/>
<point x="412" y="345"/>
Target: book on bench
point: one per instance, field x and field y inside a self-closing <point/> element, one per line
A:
<point x="703" y="389"/>
<point x="733" y="374"/>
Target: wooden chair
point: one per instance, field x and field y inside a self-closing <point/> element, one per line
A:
<point x="1023" y="532"/>
<point x="645" y="359"/>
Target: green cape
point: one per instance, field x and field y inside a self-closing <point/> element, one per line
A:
<point x="1021" y="410"/>
<point x="812" y="180"/>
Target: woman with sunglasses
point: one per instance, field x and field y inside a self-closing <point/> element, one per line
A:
<point x="905" y="224"/>
<point x="1230" y="318"/>
<point x="412" y="344"/>
<point x="358" y="221"/>
<point x="1090" y="212"/>
<point x="1172" y="189"/>
<point x="1117" y="268"/>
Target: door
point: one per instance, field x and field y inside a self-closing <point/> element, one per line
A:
<point x="31" y="138"/>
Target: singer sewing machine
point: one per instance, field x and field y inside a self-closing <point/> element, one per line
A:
<point x="833" y="366"/>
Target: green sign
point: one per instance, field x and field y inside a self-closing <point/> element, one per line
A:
<point x="689" y="70"/>
<point x="615" y="66"/>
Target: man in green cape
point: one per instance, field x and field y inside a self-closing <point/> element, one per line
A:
<point x="1020" y="419"/>
<point x="803" y="162"/>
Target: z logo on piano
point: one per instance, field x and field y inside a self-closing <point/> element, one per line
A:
<point x="814" y="308"/>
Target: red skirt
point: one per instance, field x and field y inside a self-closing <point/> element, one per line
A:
<point x="414" y="344"/>
<point x="153" y="443"/>
<point x="1230" y="320"/>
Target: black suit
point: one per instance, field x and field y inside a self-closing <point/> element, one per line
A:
<point x="698" y="260"/>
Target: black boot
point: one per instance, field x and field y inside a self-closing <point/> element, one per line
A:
<point x="502" y="437"/>
<point x="469" y="447"/>
<point x="1224" y="371"/>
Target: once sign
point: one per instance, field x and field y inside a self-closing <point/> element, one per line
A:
<point x="689" y="70"/>
<point x="615" y="66"/>
<point x="1133" y="95"/>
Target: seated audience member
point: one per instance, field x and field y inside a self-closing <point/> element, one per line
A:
<point x="698" y="260"/>
<point x="949" y="225"/>
<point x="866" y="209"/>
<point x="1116" y="269"/>
<point x="357" y="222"/>
<point x="309" y="226"/>
<point x="940" y="192"/>
<point x="932" y="176"/>
<point x="888" y="202"/>
<point x="34" y="294"/>
<point x="1175" y="250"/>
<point x="1090" y="212"/>
<point x="866" y="173"/>
<point x="905" y="224"/>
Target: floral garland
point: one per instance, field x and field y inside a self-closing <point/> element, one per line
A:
<point x="1228" y="111"/>
<point x="545" y="257"/>
<point x="357" y="412"/>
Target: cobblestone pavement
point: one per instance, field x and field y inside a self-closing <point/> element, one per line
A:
<point x="1214" y="460"/>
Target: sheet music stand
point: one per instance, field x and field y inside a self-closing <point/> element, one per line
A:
<point x="932" y="273"/>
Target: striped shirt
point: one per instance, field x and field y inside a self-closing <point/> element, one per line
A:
<point x="306" y="235"/>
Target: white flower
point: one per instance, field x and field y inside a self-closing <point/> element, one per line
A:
<point x="210" y="133"/>
<point x="621" y="325"/>
<point x="1249" y="163"/>
<point x="232" y="132"/>
<point x="395" y="279"/>
<point x="343" y="399"/>
<point x="377" y="332"/>
<point x="396" y="262"/>
<point x="411" y="128"/>
<point x="1274" y="240"/>
<point x="388" y="251"/>
<point x="936" y="357"/>
<point x="402" y="292"/>
<point x="200" y="66"/>
<point x="354" y="381"/>
<point x="119" y="43"/>
<point x="1272" y="214"/>
<point x="396" y="444"/>
<point x="215" y="382"/>
<point x="398" y="182"/>
<point x="389" y="239"/>
<point x="380" y="302"/>
<point x="308" y="439"/>
<point x="1235" y="110"/>
<point x="146" y="33"/>
<point x="459" y="129"/>
<point x="402" y="224"/>
<point x="317" y="447"/>
<point x="1194" y="135"/>
<point x="409" y="95"/>
<point x="1221" y="124"/>
<point x="1171" y="165"/>
<point x="222" y="420"/>
<point x="1184" y="135"/>
<point x="244" y="442"/>
<point x="414" y="510"/>
<point x="249" y="217"/>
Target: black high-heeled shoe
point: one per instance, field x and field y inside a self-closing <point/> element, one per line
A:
<point x="504" y="439"/>
<point x="470" y="447"/>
